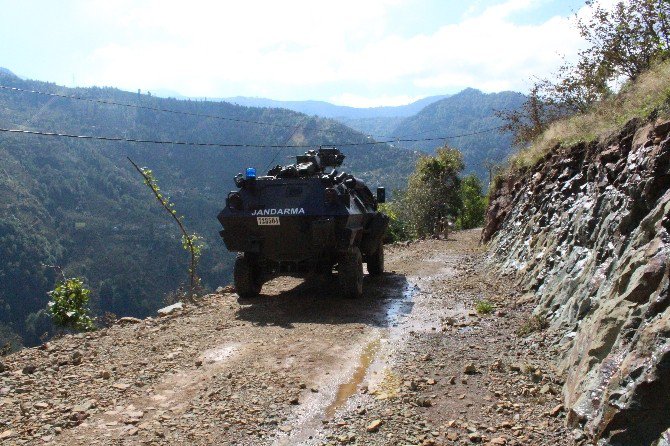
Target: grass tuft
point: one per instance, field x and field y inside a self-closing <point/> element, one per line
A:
<point x="537" y="322"/>
<point x="484" y="307"/>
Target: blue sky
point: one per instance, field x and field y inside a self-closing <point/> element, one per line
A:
<point x="352" y="52"/>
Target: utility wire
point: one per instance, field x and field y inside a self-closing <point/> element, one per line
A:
<point x="229" y="145"/>
<point x="168" y="110"/>
<point x="285" y="142"/>
<point x="204" y="115"/>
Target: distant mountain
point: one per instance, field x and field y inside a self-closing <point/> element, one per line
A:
<point x="379" y="127"/>
<point x="469" y="111"/>
<point x="80" y="205"/>
<point x="328" y="110"/>
<point x="6" y="72"/>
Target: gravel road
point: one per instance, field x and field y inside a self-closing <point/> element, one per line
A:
<point x="412" y="363"/>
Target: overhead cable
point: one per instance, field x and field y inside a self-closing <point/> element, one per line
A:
<point x="230" y="145"/>
<point x="166" y="110"/>
<point x="202" y="115"/>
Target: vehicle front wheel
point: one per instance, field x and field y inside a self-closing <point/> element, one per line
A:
<point x="247" y="278"/>
<point x="376" y="261"/>
<point x="350" y="273"/>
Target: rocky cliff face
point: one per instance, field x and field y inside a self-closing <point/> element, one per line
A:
<point x="587" y="231"/>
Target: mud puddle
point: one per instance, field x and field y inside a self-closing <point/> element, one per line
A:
<point x="350" y="387"/>
<point x="341" y="389"/>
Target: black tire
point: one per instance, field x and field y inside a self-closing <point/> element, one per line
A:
<point x="319" y="279"/>
<point x="246" y="276"/>
<point x="350" y="273"/>
<point x="376" y="261"/>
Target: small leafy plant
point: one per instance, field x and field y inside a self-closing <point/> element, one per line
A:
<point x="484" y="307"/>
<point x="69" y="305"/>
<point x="192" y="243"/>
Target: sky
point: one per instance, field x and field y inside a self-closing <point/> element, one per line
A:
<point x="350" y="52"/>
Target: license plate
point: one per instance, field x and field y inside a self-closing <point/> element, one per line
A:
<point x="268" y="221"/>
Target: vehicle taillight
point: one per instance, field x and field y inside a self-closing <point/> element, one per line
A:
<point x="331" y="195"/>
<point x="234" y="201"/>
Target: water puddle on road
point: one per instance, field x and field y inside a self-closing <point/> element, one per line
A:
<point x="368" y="356"/>
<point x="340" y="388"/>
<point x="348" y="388"/>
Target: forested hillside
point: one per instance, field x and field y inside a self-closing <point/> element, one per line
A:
<point x="469" y="111"/>
<point x="80" y="205"/>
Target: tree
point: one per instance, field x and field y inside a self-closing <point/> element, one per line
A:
<point x="473" y="210"/>
<point x="623" y="42"/>
<point x="432" y="192"/>
<point x="534" y="116"/>
<point x="190" y="242"/>
<point x="626" y="40"/>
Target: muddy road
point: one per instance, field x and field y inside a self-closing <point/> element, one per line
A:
<point x="411" y="363"/>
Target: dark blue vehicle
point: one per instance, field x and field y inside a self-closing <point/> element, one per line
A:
<point x="304" y="220"/>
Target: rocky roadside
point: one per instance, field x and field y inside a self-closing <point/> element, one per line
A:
<point x="412" y="363"/>
<point x="453" y="376"/>
<point x="587" y="228"/>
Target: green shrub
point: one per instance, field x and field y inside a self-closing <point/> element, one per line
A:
<point x="69" y="305"/>
<point x="397" y="230"/>
<point x="484" y="307"/>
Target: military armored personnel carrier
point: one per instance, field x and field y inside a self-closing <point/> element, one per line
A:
<point x="305" y="219"/>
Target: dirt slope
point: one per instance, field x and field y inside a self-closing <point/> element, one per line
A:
<point x="411" y="363"/>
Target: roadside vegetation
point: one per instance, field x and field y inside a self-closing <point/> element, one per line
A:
<point x="624" y="73"/>
<point x="436" y="195"/>
<point x="536" y="322"/>
<point x="484" y="307"/>
<point x="69" y="305"/>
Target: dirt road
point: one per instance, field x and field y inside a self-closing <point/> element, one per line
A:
<point x="411" y="363"/>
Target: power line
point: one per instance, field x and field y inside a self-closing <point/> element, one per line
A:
<point x="166" y="110"/>
<point x="391" y="138"/>
<point x="229" y="145"/>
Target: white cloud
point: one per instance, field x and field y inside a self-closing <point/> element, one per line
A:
<point x="347" y="50"/>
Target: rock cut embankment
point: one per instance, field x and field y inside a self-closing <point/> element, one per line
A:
<point x="587" y="231"/>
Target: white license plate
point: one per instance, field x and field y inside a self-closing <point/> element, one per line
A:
<point x="268" y="221"/>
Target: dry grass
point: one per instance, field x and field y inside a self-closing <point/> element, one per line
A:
<point x="537" y="322"/>
<point x="648" y="95"/>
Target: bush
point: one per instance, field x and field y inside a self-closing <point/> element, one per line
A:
<point x="397" y="230"/>
<point x="69" y="305"/>
<point x="432" y="192"/>
<point x="436" y="191"/>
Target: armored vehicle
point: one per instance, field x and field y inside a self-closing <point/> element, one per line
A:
<point x="304" y="220"/>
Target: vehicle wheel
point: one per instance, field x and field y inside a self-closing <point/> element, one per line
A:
<point x="376" y="261"/>
<point x="246" y="276"/>
<point x="320" y="278"/>
<point x="350" y="273"/>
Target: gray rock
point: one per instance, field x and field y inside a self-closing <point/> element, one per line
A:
<point x="588" y="227"/>
<point x="170" y="309"/>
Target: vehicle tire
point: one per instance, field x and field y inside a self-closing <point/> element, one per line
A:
<point x="376" y="261"/>
<point x="350" y="273"/>
<point x="320" y="278"/>
<point x="246" y="277"/>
